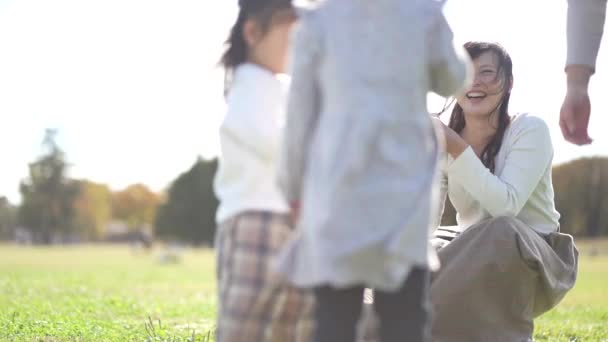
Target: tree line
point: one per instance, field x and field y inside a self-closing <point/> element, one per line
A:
<point x="55" y="205"/>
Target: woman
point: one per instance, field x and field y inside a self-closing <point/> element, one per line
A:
<point x="508" y="263"/>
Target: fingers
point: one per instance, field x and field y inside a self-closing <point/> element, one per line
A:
<point x="565" y="131"/>
<point x="574" y="120"/>
<point x="577" y="137"/>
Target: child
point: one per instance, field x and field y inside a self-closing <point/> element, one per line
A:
<point x="253" y="221"/>
<point x="360" y="157"/>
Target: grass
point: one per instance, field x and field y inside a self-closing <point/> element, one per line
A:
<point x="583" y="314"/>
<point x="108" y="293"/>
<point x="104" y="293"/>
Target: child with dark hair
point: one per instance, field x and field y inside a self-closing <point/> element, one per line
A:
<point x="253" y="222"/>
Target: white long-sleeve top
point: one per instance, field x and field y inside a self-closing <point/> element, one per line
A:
<point x="520" y="187"/>
<point x="250" y="138"/>
<point x="585" y="28"/>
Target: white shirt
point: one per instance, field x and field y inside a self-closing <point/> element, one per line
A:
<point x="250" y="136"/>
<point x="521" y="186"/>
<point x="585" y="28"/>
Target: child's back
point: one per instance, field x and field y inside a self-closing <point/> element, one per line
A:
<point x="375" y="58"/>
<point x="361" y="150"/>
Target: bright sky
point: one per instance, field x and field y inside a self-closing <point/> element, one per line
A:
<point x="132" y="87"/>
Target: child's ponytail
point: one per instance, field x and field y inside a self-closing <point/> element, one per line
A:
<point x="236" y="49"/>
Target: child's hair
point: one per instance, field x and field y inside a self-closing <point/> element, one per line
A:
<point x="505" y="72"/>
<point x="237" y="50"/>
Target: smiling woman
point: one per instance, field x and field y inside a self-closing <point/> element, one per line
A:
<point x="490" y="93"/>
<point x="507" y="263"/>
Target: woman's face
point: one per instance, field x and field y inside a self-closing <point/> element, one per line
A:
<point x="487" y="89"/>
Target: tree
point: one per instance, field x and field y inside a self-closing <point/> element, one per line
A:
<point x="48" y="195"/>
<point x="136" y="205"/>
<point x="189" y="212"/>
<point x="581" y="196"/>
<point x="93" y="207"/>
<point x="7" y="218"/>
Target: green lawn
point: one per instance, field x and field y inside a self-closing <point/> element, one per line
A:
<point x="107" y="293"/>
<point x="583" y="314"/>
<point x="101" y="293"/>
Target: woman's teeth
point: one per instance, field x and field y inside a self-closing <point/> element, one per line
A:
<point x="475" y="95"/>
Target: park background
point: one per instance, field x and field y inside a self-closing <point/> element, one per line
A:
<point x="109" y="114"/>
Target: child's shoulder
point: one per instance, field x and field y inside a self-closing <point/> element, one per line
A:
<point x="252" y="86"/>
<point x="432" y="7"/>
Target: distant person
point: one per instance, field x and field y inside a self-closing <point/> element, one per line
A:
<point x="585" y="27"/>
<point x="360" y="158"/>
<point x="253" y="216"/>
<point x="506" y="262"/>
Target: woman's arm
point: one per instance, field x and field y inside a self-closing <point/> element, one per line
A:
<point x="505" y="194"/>
<point x="302" y="108"/>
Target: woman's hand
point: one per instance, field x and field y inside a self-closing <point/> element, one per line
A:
<point x="454" y="144"/>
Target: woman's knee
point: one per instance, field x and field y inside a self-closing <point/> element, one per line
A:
<point x="498" y="235"/>
<point x="500" y="226"/>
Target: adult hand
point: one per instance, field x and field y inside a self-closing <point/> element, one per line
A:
<point x="454" y="144"/>
<point x="574" y="117"/>
<point x="576" y="108"/>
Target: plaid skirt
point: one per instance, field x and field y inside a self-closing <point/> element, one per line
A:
<point x="255" y="304"/>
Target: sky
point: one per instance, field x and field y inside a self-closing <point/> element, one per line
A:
<point x="133" y="88"/>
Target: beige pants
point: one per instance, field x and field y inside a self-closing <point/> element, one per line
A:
<point x="495" y="278"/>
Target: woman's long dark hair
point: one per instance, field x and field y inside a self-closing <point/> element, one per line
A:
<point x="505" y="72"/>
<point x="237" y="50"/>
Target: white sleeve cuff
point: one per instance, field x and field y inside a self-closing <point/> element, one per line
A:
<point x="466" y="167"/>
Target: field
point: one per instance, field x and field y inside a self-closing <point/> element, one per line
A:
<point x="114" y="293"/>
